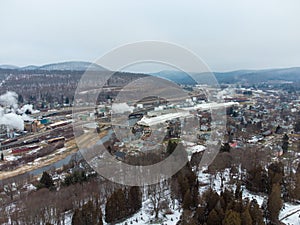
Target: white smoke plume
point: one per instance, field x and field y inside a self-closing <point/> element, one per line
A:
<point x="226" y="93"/>
<point x="8" y="117"/>
<point x="25" y="117"/>
<point x="29" y="108"/>
<point x="11" y="121"/>
<point x="9" y="100"/>
<point x="121" y="108"/>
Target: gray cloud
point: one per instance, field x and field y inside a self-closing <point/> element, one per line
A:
<point x="227" y="35"/>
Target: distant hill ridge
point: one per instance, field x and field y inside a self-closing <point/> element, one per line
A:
<point x="62" y="66"/>
<point x="245" y="76"/>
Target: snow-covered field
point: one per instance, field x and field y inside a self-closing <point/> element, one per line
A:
<point x="290" y="214"/>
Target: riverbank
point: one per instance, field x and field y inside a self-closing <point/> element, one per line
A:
<point x="51" y="159"/>
<point x="47" y="160"/>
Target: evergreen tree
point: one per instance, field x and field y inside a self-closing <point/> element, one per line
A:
<point x="285" y="143"/>
<point x="200" y="215"/>
<point x="246" y="217"/>
<point x="46" y="181"/>
<point x="76" y="218"/>
<point x="195" y="195"/>
<point x="187" y="218"/>
<point x="67" y="101"/>
<point x="274" y="203"/>
<point x="285" y="138"/>
<point x="225" y="148"/>
<point x="213" y="218"/>
<point x="134" y="199"/>
<point x="187" y="200"/>
<point x="238" y="192"/>
<point x="232" y="218"/>
<point x="186" y="180"/>
<point x="20" y="99"/>
<point x="297" y="187"/>
<point x="227" y="195"/>
<point x="171" y="147"/>
<point x="256" y="213"/>
<point x="275" y="174"/>
<point x="257" y="180"/>
<point x="123" y="203"/>
<point x="211" y="198"/>
<point x="277" y="129"/>
<point x="89" y="214"/>
<point x="115" y="208"/>
<point x="236" y="206"/>
<point x="75" y="177"/>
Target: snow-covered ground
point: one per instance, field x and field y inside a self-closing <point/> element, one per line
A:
<point x="290" y="214"/>
<point x="143" y="217"/>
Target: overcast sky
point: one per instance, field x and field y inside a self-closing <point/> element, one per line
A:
<point x="226" y="34"/>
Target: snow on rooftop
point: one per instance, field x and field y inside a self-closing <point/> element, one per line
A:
<point x="196" y="148"/>
<point x="145" y="121"/>
<point x="213" y="105"/>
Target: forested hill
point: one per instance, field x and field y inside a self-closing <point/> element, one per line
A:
<point x="239" y="76"/>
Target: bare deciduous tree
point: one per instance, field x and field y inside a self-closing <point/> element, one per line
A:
<point x="157" y="194"/>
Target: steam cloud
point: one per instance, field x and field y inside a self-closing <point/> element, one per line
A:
<point x="11" y="120"/>
<point x="121" y="108"/>
<point x="8" y="109"/>
<point x="9" y="100"/>
<point x="28" y="108"/>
